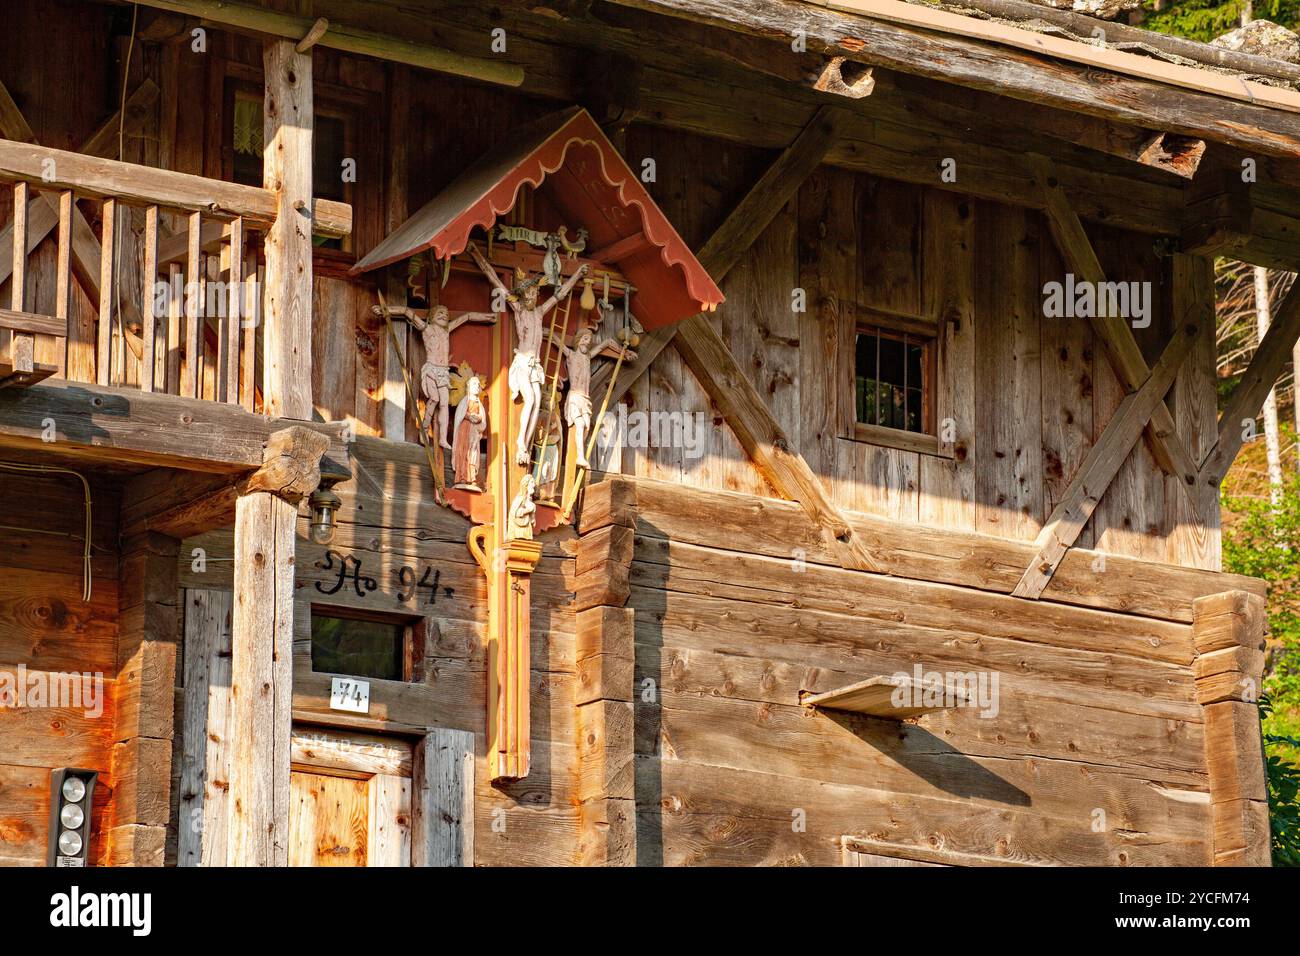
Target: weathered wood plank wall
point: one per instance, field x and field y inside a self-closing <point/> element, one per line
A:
<point x="47" y="629"/>
<point x="1094" y="755"/>
<point x="1029" y="394"/>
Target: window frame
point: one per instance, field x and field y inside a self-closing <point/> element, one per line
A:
<point x="361" y="112"/>
<point x="414" y="639"/>
<point x="936" y="398"/>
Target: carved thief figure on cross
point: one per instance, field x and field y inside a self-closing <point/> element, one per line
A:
<point x="526" y="374"/>
<point x="435" y="373"/>
<point x="577" y="404"/>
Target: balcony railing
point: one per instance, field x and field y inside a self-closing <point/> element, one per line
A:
<point x="153" y="279"/>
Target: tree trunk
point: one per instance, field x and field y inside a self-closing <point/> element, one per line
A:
<point x="1263" y="316"/>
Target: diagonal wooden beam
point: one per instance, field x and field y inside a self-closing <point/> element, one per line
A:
<point x="1248" y="397"/>
<point x="742" y="227"/>
<point x="763" y="439"/>
<point x="774" y="189"/>
<point x="12" y="122"/>
<point x="43" y="210"/>
<point x="1101" y="465"/>
<point x="717" y="369"/>
<point x="43" y="213"/>
<point x="1112" y="331"/>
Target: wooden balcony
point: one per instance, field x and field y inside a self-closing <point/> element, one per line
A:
<point x="136" y="299"/>
<point x="130" y="277"/>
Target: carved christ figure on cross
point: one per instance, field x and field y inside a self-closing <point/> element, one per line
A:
<point x="526" y="374"/>
<point x="435" y="373"/>
<point x="577" y="404"/>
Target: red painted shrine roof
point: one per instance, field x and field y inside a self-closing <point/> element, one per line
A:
<point x="591" y="187"/>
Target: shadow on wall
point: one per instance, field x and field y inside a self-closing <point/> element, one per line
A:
<point x="907" y="745"/>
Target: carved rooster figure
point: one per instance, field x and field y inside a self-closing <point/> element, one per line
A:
<point x="573" y="248"/>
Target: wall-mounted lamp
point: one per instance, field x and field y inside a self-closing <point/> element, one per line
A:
<point x="325" y="503"/>
<point x="71" y="793"/>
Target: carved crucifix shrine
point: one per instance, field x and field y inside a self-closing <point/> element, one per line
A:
<point x="496" y="242"/>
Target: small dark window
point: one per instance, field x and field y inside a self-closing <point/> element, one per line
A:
<point x="892" y="379"/>
<point x="360" y="648"/>
<point x="330" y="147"/>
<point x="248" y="139"/>
<point x="329" y="150"/>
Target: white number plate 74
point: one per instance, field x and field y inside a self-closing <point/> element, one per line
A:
<point x="348" y="693"/>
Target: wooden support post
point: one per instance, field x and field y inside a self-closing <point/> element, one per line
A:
<point x="261" y="666"/>
<point x="1228" y="636"/>
<point x="396" y="209"/>
<point x="1194" y="535"/>
<point x="605" y="665"/>
<point x="261" y="675"/>
<point x="442" y="799"/>
<point x="286" y="165"/>
<point x="142" y="754"/>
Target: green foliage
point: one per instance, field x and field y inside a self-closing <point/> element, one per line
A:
<point x="1206" y="19"/>
<point x="1283" y="794"/>
<point x="1264" y="542"/>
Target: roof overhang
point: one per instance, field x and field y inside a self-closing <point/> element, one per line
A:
<point x="592" y="186"/>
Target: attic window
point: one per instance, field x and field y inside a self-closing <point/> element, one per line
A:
<point x="893" y="381"/>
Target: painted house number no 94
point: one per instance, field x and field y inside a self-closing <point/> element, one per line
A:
<point x="348" y="571"/>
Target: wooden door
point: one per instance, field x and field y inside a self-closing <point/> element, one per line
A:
<point x="350" y="800"/>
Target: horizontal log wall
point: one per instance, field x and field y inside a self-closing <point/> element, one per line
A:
<point x="1096" y="755"/>
<point x="388" y="522"/>
<point x="48" y="629"/>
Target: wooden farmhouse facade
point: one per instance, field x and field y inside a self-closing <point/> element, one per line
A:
<point x="627" y="432"/>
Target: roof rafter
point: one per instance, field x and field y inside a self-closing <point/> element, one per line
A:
<point x="1013" y="72"/>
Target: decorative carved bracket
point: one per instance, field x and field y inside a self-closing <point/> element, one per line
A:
<point x="291" y="465"/>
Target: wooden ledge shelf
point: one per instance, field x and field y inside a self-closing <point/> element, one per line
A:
<point x="874" y="697"/>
